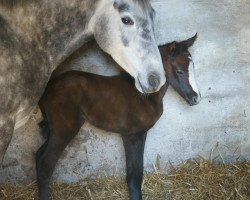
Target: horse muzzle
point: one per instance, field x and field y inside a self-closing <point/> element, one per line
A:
<point x="151" y="85"/>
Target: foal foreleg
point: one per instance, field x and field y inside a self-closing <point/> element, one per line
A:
<point x="6" y="131"/>
<point x="134" y="149"/>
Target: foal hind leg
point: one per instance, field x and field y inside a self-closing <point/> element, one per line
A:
<point x="48" y="155"/>
<point x="134" y="149"/>
<point x="6" y="131"/>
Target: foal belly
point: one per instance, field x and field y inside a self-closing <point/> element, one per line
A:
<point x="125" y="123"/>
<point x="122" y="112"/>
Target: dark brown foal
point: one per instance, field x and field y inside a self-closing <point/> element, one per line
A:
<point x="112" y="104"/>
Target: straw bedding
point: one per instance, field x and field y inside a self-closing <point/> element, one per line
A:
<point x="194" y="179"/>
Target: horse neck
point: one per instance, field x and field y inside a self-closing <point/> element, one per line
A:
<point x="57" y="27"/>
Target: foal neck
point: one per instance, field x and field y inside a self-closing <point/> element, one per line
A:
<point x="165" y="51"/>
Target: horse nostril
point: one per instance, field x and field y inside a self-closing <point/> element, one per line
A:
<point x="154" y="81"/>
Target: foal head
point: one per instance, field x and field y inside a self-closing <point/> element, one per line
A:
<point x="179" y="69"/>
<point x="125" y="30"/>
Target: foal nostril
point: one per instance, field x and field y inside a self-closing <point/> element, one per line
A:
<point x="195" y="98"/>
<point x="154" y="81"/>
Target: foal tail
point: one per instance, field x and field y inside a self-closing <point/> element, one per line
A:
<point x="44" y="125"/>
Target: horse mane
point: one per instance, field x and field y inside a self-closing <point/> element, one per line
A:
<point x="13" y="3"/>
<point x="146" y="4"/>
<point x="143" y="1"/>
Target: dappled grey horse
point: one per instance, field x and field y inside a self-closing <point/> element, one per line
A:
<point x="37" y="35"/>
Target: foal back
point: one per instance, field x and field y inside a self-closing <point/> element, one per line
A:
<point x="110" y="103"/>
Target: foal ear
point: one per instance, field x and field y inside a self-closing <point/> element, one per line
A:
<point x="172" y="47"/>
<point x="189" y="42"/>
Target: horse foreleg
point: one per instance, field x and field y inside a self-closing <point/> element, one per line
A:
<point x="134" y="149"/>
<point x="6" y="132"/>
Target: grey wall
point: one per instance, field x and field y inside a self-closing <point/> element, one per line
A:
<point x="222" y="58"/>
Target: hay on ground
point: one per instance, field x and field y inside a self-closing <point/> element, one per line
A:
<point x="195" y="179"/>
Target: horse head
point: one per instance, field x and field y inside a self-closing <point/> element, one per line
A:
<point x="125" y="30"/>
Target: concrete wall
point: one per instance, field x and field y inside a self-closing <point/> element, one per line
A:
<point x="222" y="58"/>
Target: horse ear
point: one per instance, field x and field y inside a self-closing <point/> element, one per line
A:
<point x="189" y="42"/>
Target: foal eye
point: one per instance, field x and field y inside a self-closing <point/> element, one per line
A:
<point x="179" y="72"/>
<point x="127" y="21"/>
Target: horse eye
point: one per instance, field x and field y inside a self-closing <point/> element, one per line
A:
<point x="127" y="21"/>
